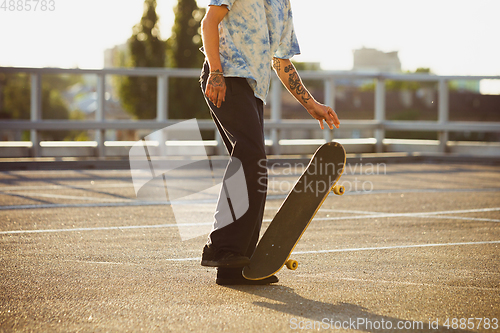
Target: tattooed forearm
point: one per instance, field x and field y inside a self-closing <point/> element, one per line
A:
<point x="276" y="65"/>
<point x="297" y="86"/>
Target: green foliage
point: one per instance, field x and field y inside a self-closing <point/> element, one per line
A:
<point x="186" y="99"/>
<point x="14" y="96"/>
<point x="423" y="70"/>
<point x="307" y="66"/>
<point x="15" y="90"/>
<point x="76" y="135"/>
<point x="146" y="49"/>
<point x="181" y="50"/>
<point x="61" y="82"/>
<point x="403" y="85"/>
<point x="184" y="43"/>
<point x="53" y="107"/>
<point x="312" y="85"/>
<point x="15" y="99"/>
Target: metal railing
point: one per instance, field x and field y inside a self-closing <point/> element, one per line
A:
<point x="274" y="125"/>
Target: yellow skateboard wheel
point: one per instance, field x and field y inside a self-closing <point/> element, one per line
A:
<point x="292" y="264"/>
<point x="338" y="189"/>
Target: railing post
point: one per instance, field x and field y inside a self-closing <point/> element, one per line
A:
<point x="330" y="101"/>
<point x="36" y="110"/>
<point x="162" y="98"/>
<point x="220" y="149"/>
<point x="443" y="113"/>
<point x="162" y="109"/>
<point x="99" y="114"/>
<point x="380" y="113"/>
<point x="275" y="112"/>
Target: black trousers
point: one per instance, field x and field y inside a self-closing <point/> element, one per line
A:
<point x="240" y="122"/>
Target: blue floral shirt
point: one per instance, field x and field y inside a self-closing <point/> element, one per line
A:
<point x="250" y="35"/>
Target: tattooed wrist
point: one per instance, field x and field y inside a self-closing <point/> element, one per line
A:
<point x="216" y="80"/>
<point x="276" y="65"/>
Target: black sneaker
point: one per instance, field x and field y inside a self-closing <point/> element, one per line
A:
<point x="234" y="276"/>
<point x="212" y="257"/>
<point x="242" y="281"/>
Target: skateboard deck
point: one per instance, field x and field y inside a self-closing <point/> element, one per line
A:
<point x="297" y="211"/>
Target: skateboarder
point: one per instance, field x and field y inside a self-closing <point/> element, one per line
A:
<point x="242" y="40"/>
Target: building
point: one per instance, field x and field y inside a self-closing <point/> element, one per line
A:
<point x="115" y="56"/>
<point x="373" y="60"/>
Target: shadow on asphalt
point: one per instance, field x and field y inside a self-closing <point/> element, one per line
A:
<point x="63" y="182"/>
<point x="312" y="314"/>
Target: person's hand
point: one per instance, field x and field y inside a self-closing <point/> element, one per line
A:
<point x="322" y="112"/>
<point x="216" y="89"/>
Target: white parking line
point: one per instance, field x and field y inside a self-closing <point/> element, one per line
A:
<point x="376" y="248"/>
<point x="153" y="226"/>
<point x="107" y="203"/>
<point x="131" y="203"/>
<point x="64" y="187"/>
<point x="134" y="202"/>
<point x="68" y="197"/>
<point x="348" y="211"/>
<point x="394" y="247"/>
<point x="451" y="217"/>
<point x="376" y="215"/>
<point x="426" y="214"/>
<point x="432" y="285"/>
<point x="423" y="190"/>
<point x="101" y="262"/>
<point x="422" y="215"/>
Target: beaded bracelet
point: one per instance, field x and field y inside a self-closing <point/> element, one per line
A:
<point x="216" y="73"/>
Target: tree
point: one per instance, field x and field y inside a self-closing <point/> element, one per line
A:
<point x="14" y="88"/>
<point x="185" y="41"/>
<point x="146" y="49"/>
<point x="15" y="101"/>
<point x="186" y="99"/>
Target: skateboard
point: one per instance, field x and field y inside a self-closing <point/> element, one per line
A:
<point x="297" y="211"/>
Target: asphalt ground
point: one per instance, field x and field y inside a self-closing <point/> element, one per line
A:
<point x="409" y="247"/>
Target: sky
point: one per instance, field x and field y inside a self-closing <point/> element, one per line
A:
<point x="452" y="37"/>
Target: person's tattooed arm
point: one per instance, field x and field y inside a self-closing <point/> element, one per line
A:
<point x="291" y="80"/>
<point x="216" y="86"/>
